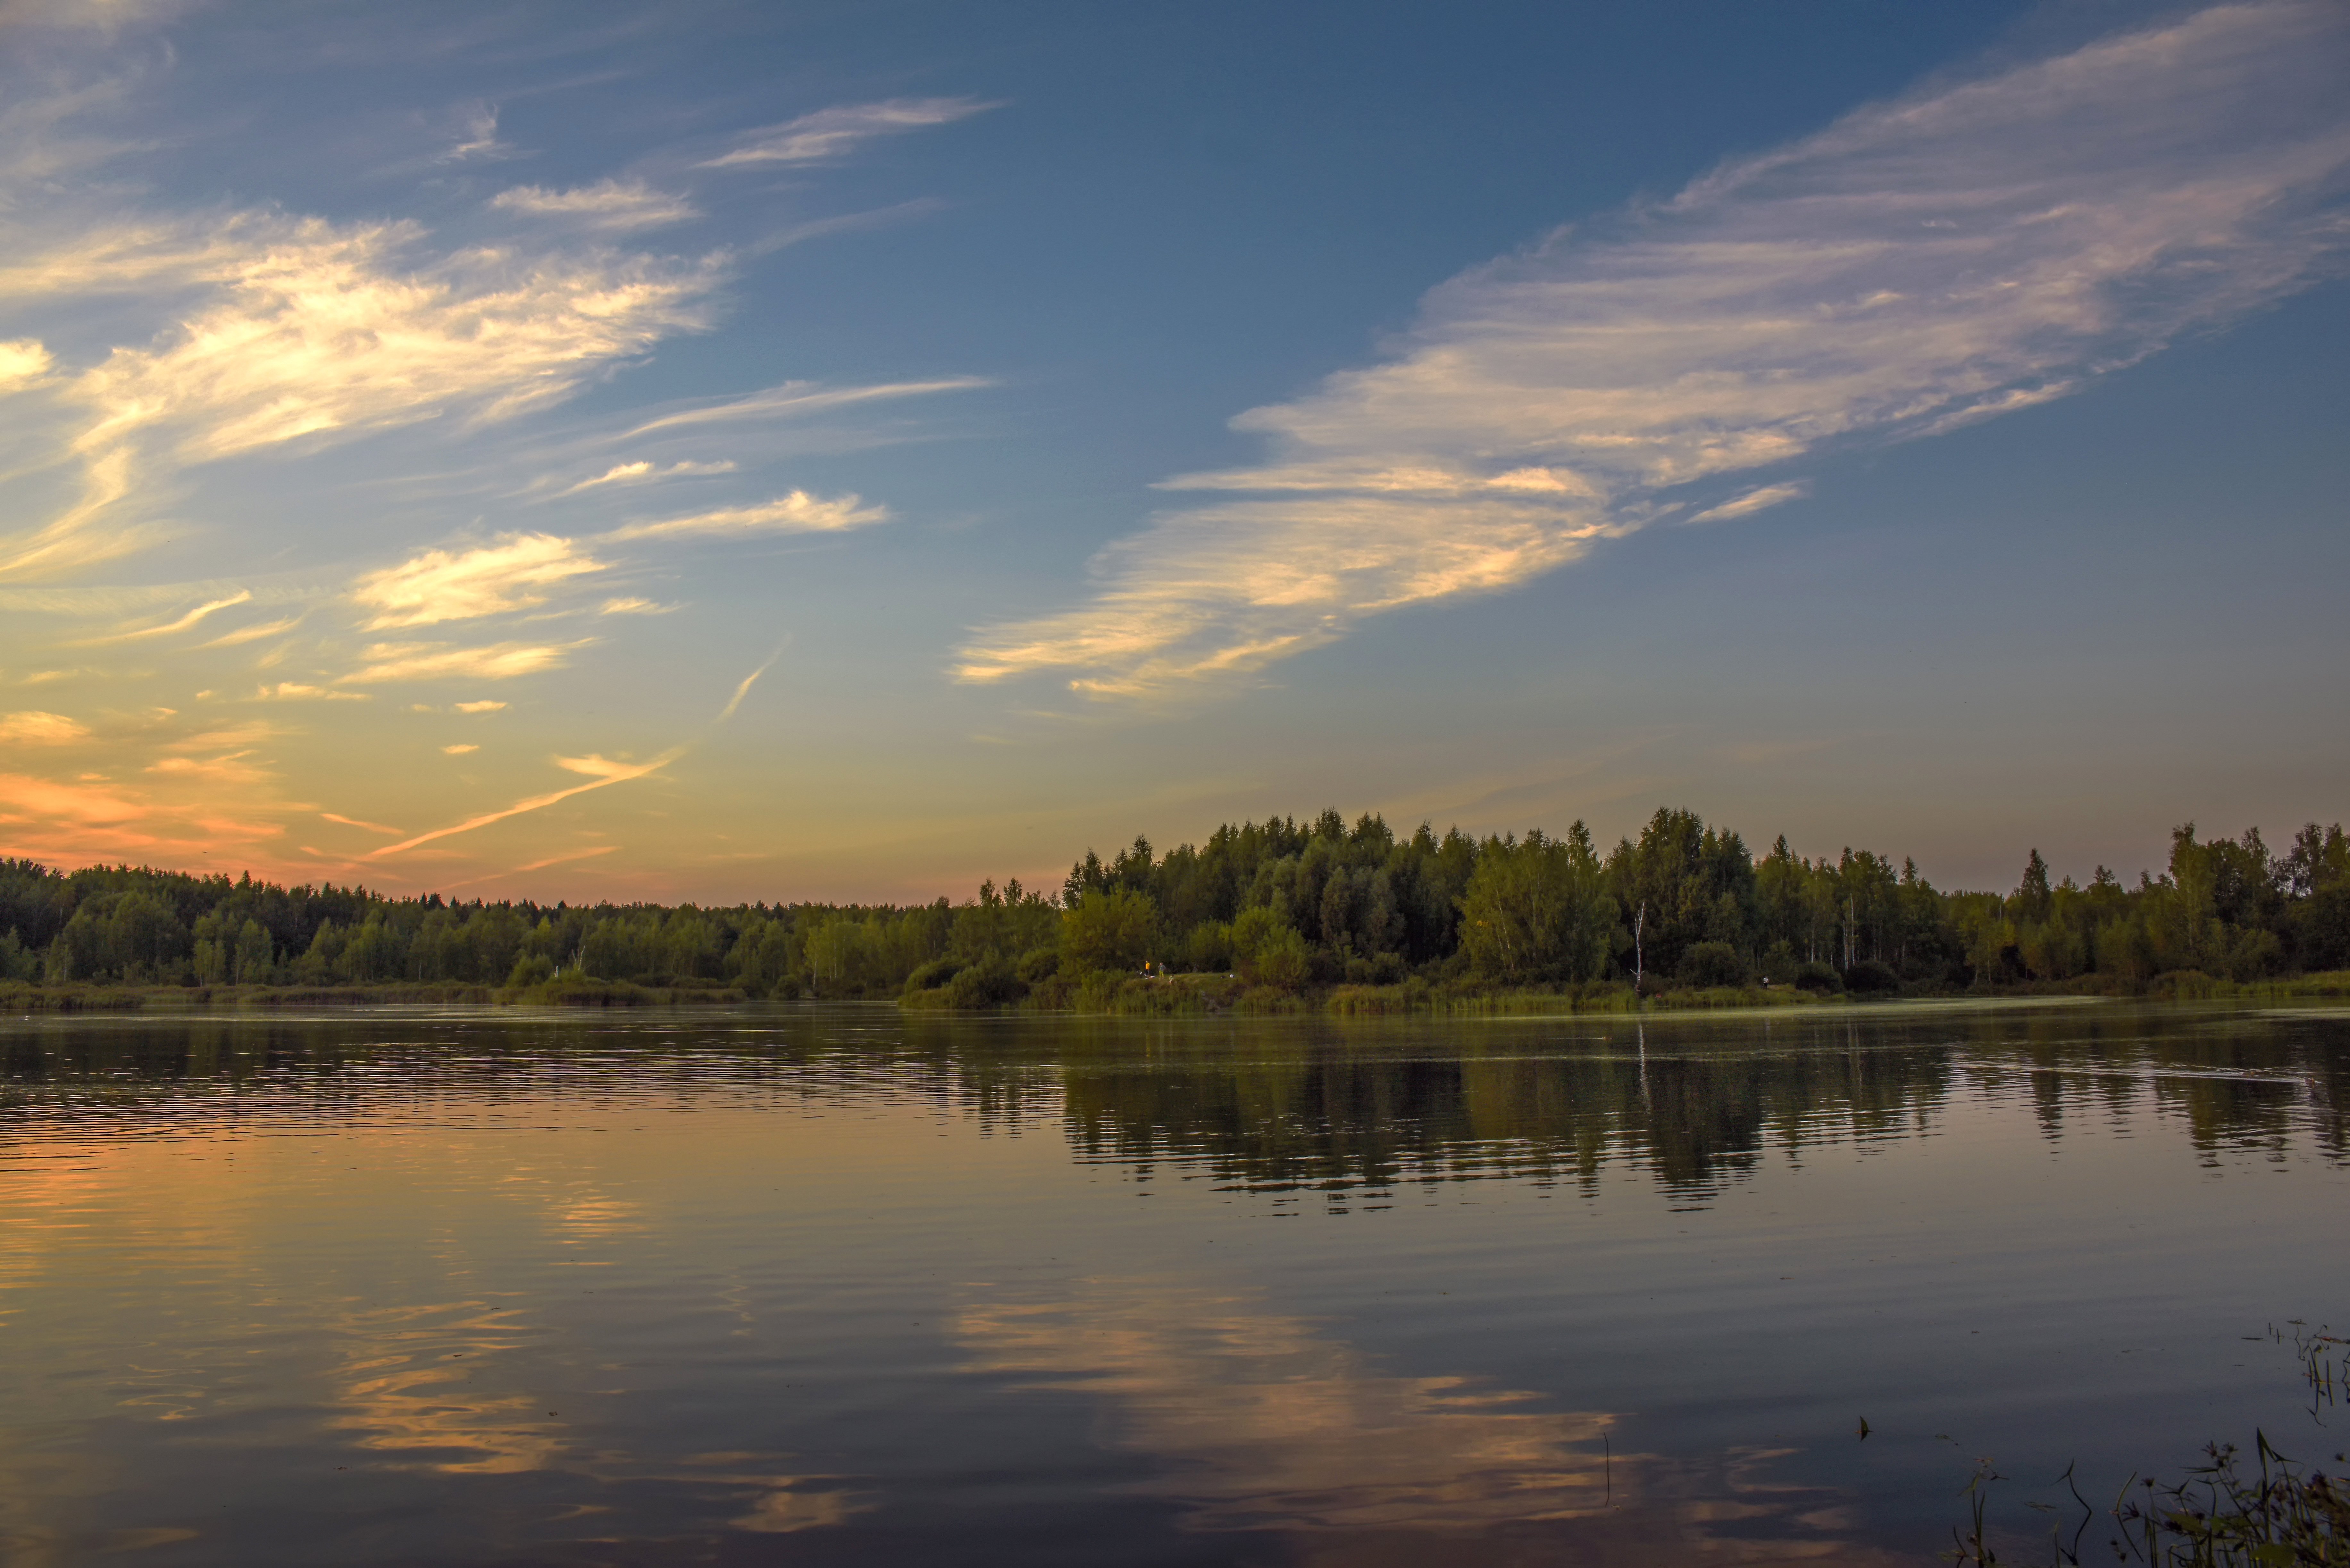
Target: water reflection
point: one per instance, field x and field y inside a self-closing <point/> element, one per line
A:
<point x="1697" y="1105"/>
<point x="425" y="1260"/>
<point x="1257" y="1420"/>
<point x="404" y="1391"/>
<point x="1260" y="1421"/>
<point x="1280" y="1106"/>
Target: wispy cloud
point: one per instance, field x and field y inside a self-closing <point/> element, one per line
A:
<point x="830" y="133"/>
<point x="796" y="400"/>
<point x="254" y="633"/>
<point x="322" y="330"/>
<point x="440" y="586"/>
<point x="798" y="513"/>
<point x="607" y="773"/>
<point x="355" y="822"/>
<point x="1964" y="251"/>
<point x="183" y="622"/>
<point x="607" y="205"/>
<point x="307" y="330"/>
<point x="35" y="728"/>
<point x="99" y="15"/>
<point x="23" y="362"/>
<point x="1220" y="591"/>
<point x="744" y="690"/>
<point x="645" y="472"/>
<point x="477" y="137"/>
<point x="568" y="855"/>
<point x="602" y="774"/>
<point x="1754" y="501"/>
<point x="387" y="661"/>
<point x="75" y="802"/>
<point x="229" y="768"/>
<point x="298" y="691"/>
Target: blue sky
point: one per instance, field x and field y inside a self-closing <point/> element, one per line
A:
<point x="778" y="451"/>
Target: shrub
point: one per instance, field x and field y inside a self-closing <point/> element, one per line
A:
<point x="1817" y="976"/>
<point x="1713" y="963"/>
<point x="1871" y="975"/>
<point x="985" y="985"/>
<point x="1282" y="964"/>
<point x="1038" y="964"/>
<point x="1209" y="947"/>
<point x="932" y="975"/>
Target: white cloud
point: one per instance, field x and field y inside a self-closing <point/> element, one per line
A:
<point x="98" y="16"/>
<point x="795" y="400"/>
<point x="644" y="472"/>
<point x="481" y="707"/>
<point x="387" y="661"/>
<point x="296" y="691"/>
<point x="48" y="797"/>
<point x="798" y="513"/>
<point x="438" y="585"/>
<point x="568" y="855"/>
<point x="607" y="205"/>
<point x="321" y="331"/>
<point x="459" y="749"/>
<point x="183" y="622"/>
<point x="1963" y="252"/>
<point x="1752" y="501"/>
<point x="1221" y="591"/>
<point x="306" y="330"/>
<point x="830" y="133"/>
<point x="477" y="137"/>
<point x="23" y="362"/>
<point x="35" y="728"/>
<point x="602" y="772"/>
<point x="254" y="633"/>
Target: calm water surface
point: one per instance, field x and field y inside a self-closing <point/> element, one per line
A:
<point x="824" y="1285"/>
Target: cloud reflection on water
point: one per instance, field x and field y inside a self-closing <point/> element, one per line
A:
<point x="1262" y="1421"/>
<point x="1265" y="1422"/>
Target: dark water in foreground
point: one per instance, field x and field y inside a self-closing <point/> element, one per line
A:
<point x="835" y="1286"/>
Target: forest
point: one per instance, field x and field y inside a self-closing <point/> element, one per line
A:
<point x="1275" y="915"/>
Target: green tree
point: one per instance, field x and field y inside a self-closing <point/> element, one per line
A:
<point x="253" y="959"/>
<point x="1109" y="931"/>
<point x="1539" y="910"/>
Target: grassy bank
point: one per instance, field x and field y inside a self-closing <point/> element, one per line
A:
<point x="1156" y="996"/>
<point x="567" y="990"/>
<point x="1209" y="996"/>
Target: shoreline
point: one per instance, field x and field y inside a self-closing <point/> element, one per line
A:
<point x="1183" y="995"/>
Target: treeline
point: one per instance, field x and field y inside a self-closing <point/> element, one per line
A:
<point x="1281" y="906"/>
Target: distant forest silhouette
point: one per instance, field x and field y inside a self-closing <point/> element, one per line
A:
<point x="1261" y="913"/>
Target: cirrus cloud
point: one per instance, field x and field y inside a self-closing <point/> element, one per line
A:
<point x="301" y="329"/>
<point x="830" y="133"/>
<point x="389" y="661"/>
<point x="1968" y="250"/>
<point x="797" y="512"/>
<point x="607" y="205"/>
<point x="440" y="586"/>
<point x="36" y="728"/>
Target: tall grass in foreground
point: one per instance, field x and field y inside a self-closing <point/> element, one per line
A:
<point x="2274" y="1513"/>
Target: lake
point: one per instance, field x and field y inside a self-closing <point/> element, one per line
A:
<point x="834" y="1285"/>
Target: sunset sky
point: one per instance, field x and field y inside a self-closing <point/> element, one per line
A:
<point x="829" y="449"/>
